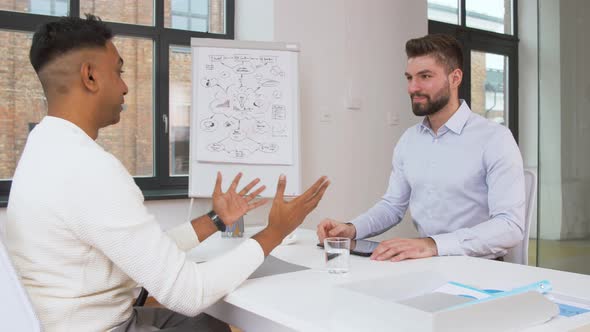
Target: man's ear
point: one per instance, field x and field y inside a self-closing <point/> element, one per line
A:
<point x="456" y="77"/>
<point x="88" y="73"/>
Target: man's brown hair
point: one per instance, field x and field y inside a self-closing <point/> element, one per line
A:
<point x="445" y="48"/>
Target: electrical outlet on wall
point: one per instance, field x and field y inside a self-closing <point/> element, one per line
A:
<point x="353" y="102"/>
<point x="326" y="116"/>
<point x="392" y="118"/>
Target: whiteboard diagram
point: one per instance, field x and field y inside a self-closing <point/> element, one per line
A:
<point x="243" y="106"/>
<point x="244" y="114"/>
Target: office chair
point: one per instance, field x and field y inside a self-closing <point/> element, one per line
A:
<point x="16" y="308"/>
<point x="520" y="253"/>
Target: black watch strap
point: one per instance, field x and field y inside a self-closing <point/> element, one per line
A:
<point x="216" y="220"/>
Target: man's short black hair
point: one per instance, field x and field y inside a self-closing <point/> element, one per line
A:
<point x="445" y="48"/>
<point x="68" y="33"/>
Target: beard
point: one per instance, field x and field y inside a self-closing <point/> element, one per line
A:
<point x="431" y="105"/>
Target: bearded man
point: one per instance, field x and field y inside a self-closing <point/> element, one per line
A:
<point x="460" y="174"/>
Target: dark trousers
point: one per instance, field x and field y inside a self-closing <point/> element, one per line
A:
<point x="146" y="319"/>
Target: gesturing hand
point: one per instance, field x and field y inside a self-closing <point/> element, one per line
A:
<point x="229" y="205"/>
<point x="286" y="216"/>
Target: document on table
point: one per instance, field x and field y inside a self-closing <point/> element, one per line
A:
<point x="568" y="305"/>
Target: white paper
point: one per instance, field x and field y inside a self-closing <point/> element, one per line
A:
<point x="568" y="305"/>
<point x="244" y="106"/>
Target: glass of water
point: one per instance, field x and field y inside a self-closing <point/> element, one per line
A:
<point x="337" y="251"/>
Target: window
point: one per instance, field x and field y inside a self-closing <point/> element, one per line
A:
<point x="444" y="11"/>
<point x="190" y="15"/>
<point x="487" y="32"/>
<point x="490" y="15"/>
<point x="195" y="15"/>
<point x="180" y="107"/>
<point x="49" y="7"/>
<point x="132" y="12"/>
<point x="152" y="138"/>
<point x="22" y="102"/>
<point x="131" y="140"/>
<point x="488" y="76"/>
<point x="43" y="7"/>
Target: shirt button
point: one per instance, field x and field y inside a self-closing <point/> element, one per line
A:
<point x="436" y="140"/>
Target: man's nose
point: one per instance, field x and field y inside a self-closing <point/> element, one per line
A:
<point x="413" y="87"/>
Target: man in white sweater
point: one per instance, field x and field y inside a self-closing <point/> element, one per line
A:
<point x="77" y="229"/>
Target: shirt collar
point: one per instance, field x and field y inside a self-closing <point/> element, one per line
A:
<point x="456" y="123"/>
<point x="65" y="124"/>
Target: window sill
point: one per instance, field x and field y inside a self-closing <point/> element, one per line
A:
<point x="157" y="194"/>
<point x="150" y="195"/>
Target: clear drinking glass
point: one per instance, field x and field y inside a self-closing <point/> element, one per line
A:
<point x="337" y="252"/>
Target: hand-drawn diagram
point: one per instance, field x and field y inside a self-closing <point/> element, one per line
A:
<point x="244" y="108"/>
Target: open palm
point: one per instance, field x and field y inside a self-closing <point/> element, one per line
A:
<point x="231" y="205"/>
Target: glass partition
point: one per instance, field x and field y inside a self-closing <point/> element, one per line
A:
<point x="563" y="232"/>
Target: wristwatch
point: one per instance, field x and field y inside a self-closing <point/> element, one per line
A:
<point x="216" y="220"/>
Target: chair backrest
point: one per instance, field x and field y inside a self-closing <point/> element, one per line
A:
<point x="16" y="309"/>
<point x="520" y="253"/>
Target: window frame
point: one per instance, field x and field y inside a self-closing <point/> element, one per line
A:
<point x="161" y="185"/>
<point x="473" y="39"/>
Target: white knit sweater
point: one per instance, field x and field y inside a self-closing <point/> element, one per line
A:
<point x="82" y="239"/>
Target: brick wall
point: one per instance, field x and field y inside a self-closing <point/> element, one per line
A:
<point x="478" y="78"/>
<point x="21" y="98"/>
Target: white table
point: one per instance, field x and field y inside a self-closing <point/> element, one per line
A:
<point x="300" y="300"/>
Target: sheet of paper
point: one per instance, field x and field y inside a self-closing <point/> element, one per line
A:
<point x="568" y="305"/>
<point x="244" y="106"/>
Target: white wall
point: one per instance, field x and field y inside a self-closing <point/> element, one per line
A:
<point x="575" y="118"/>
<point x="348" y="47"/>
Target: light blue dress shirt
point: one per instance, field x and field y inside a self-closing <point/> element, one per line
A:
<point x="464" y="186"/>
